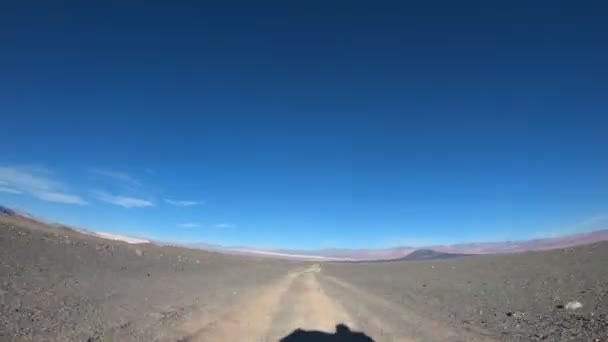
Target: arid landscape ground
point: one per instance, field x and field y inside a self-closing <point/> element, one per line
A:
<point x="57" y="284"/>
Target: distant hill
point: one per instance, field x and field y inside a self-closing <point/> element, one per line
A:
<point x="526" y="245"/>
<point x="429" y="254"/>
<point x="416" y="255"/>
<point x="7" y="212"/>
<point x="22" y="217"/>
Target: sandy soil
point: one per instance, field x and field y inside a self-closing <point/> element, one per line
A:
<point x="60" y="285"/>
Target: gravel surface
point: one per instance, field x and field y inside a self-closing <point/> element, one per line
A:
<point x="56" y="284"/>
<point x="520" y="297"/>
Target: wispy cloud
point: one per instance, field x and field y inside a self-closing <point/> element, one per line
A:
<point x="189" y="225"/>
<point x="592" y="223"/>
<point x="123" y="201"/>
<point x="224" y="225"/>
<point x="10" y="190"/>
<point x="119" y="176"/>
<point x="595" y="220"/>
<point x="59" y="197"/>
<point x="37" y="183"/>
<point x="182" y="203"/>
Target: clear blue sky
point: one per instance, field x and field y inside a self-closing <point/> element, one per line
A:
<point x="309" y="124"/>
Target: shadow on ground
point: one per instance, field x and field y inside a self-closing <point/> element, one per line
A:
<point x="342" y="334"/>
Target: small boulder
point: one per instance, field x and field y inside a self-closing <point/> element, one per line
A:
<point x="574" y="305"/>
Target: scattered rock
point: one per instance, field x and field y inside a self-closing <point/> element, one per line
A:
<point x="574" y="305"/>
<point x="519" y="314"/>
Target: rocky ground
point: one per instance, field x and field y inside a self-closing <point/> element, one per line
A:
<point x="518" y="297"/>
<point x="60" y="285"/>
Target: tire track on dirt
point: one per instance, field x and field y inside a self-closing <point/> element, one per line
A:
<point x="297" y="301"/>
<point x="311" y="300"/>
<point x="307" y="306"/>
<point x="387" y="321"/>
<point x="247" y="321"/>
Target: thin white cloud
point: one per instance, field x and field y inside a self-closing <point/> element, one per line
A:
<point x="182" y="203"/>
<point x="10" y="190"/>
<point x="598" y="219"/>
<point x="123" y="201"/>
<point x="189" y="225"/>
<point x="116" y="175"/>
<point x="59" y="197"/>
<point x="36" y="182"/>
<point x="23" y="178"/>
<point x="225" y="225"/>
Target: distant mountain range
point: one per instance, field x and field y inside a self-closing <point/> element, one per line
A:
<point x="448" y="251"/>
<point x="384" y="254"/>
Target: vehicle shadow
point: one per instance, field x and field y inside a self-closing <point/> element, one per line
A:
<point x="342" y="334"/>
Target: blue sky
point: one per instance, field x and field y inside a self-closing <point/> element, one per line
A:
<point x="311" y="125"/>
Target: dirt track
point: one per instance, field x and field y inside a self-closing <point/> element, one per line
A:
<point x="60" y="285"/>
<point x="301" y="300"/>
<point x="295" y="301"/>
